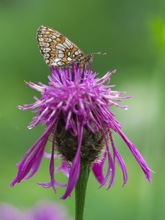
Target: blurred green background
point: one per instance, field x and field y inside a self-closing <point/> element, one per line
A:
<point x="133" y="35"/>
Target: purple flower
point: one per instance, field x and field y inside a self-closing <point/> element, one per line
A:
<point x="75" y="107"/>
<point x="8" y="212"/>
<point x="47" y="211"/>
<point x="41" y="211"/>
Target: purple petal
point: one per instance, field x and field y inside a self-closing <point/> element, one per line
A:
<point x="119" y="160"/>
<point x="111" y="165"/>
<point x="139" y="158"/>
<point x="32" y="159"/>
<point x="64" y="167"/>
<point x="98" y="167"/>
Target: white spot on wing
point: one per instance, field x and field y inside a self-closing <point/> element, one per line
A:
<point x="69" y="59"/>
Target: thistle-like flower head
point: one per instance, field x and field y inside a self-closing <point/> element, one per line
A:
<point x="75" y="108"/>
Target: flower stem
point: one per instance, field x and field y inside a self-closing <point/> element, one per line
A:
<point x="80" y="190"/>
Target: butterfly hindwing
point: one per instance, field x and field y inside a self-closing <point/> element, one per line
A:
<point x="57" y="50"/>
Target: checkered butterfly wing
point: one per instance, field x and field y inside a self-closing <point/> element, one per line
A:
<point x="57" y="50"/>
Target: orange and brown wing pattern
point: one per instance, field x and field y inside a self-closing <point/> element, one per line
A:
<point x="57" y="50"/>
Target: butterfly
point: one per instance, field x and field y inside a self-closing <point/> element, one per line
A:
<point x="58" y="50"/>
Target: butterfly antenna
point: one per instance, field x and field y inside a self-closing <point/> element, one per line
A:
<point x="99" y="53"/>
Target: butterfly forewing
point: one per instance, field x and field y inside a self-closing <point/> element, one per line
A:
<point x="57" y="50"/>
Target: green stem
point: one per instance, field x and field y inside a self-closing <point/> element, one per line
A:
<point x="80" y="190"/>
